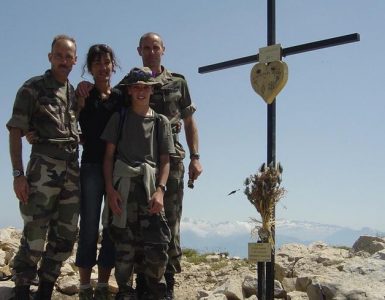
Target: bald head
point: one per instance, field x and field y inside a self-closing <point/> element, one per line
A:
<point x="151" y="35"/>
<point x="151" y="49"/>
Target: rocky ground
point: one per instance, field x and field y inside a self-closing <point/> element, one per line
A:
<point x="310" y="272"/>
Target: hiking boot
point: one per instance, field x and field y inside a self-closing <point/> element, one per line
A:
<point x="127" y="293"/>
<point x="141" y="285"/>
<point x="86" y="294"/>
<point x="102" y="293"/>
<point x="22" y="292"/>
<point x="170" y="282"/>
<point x="169" y="295"/>
<point x="149" y="296"/>
<point x="44" y="291"/>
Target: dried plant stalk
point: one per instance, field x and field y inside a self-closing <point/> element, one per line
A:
<point x="263" y="190"/>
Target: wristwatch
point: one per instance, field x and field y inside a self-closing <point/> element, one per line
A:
<point x="162" y="187"/>
<point x="17" y="173"/>
<point x="195" y="155"/>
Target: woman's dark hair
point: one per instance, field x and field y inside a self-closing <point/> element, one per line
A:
<point x="95" y="53"/>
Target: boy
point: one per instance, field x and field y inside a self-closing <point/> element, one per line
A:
<point x="140" y="142"/>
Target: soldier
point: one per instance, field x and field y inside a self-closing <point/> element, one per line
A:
<point x="48" y="190"/>
<point x="140" y="140"/>
<point x="172" y="99"/>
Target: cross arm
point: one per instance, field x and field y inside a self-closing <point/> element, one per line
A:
<point x="344" y="39"/>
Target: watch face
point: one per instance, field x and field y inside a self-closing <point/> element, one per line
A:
<point x="16" y="173"/>
<point x="195" y="155"/>
<point x="163" y="187"/>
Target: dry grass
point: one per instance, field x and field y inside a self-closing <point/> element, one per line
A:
<point x="263" y="190"/>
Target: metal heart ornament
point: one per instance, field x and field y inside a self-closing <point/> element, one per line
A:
<point x="268" y="79"/>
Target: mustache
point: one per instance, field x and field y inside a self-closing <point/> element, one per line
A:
<point x="63" y="66"/>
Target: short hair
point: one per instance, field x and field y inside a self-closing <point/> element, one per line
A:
<point x="148" y="34"/>
<point x="95" y="53"/>
<point x="62" y="37"/>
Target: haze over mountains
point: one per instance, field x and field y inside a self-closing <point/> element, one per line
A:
<point x="232" y="237"/>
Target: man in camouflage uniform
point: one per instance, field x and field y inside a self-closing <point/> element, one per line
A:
<point x="49" y="189"/>
<point x="172" y="99"/>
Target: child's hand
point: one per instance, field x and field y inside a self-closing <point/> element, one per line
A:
<point x="156" y="202"/>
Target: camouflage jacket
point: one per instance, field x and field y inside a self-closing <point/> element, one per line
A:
<point x="48" y="107"/>
<point x="172" y="99"/>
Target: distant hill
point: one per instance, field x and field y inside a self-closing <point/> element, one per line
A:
<point x="232" y="237"/>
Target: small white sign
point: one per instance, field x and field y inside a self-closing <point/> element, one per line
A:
<point x="270" y="53"/>
<point x="259" y="252"/>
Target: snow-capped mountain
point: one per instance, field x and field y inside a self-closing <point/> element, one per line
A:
<point x="232" y="237"/>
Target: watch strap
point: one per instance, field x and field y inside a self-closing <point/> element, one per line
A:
<point x="195" y="155"/>
<point x="162" y="187"/>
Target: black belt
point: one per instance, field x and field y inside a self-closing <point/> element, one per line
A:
<point x="64" y="151"/>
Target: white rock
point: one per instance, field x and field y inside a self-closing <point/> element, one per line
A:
<point x="68" y="285"/>
<point x="249" y="286"/>
<point x="231" y="288"/>
<point x="215" y="297"/>
<point x="67" y="269"/>
<point x="3" y="255"/>
<point x="213" y="258"/>
<point x="296" y="295"/>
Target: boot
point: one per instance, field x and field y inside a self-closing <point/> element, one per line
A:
<point x="141" y="285"/>
<point x="44" y="292"/>
<point x="126" y="292"/>
<point x="155" y="290"/>
<point x="170" y="282"/>
<point x="22" y="292"/>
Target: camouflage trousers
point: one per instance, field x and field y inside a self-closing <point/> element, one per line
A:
<point x="173" y="200"/>
<point x="51" y="215"/>
<point x="143" y="243"/>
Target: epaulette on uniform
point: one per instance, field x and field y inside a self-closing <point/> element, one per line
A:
<point x="34" y="80"/>
<point x="177" y="75"/>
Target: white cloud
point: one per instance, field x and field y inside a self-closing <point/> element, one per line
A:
<point x="225" y="229"/>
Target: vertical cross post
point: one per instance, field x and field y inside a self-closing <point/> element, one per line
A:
<point x="271" y="138"/>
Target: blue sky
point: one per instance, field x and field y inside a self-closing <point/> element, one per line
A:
<point x="330" y="128"/>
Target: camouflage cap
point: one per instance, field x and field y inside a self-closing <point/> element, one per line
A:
<point x="138" y="75"/>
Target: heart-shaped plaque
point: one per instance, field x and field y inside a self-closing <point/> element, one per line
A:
<point x="268" y="79"/>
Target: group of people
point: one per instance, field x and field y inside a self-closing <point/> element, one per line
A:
<point x="131" y="157"/>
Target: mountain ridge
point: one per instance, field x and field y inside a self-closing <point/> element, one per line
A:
<point x="233" y="237"/>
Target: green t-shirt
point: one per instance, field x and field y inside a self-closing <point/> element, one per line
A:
<point x="142" y="139"/>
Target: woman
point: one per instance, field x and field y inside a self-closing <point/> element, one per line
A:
<point x="96" y="110"/>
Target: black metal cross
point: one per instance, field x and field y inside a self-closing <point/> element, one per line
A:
<point x="266" y="272"/>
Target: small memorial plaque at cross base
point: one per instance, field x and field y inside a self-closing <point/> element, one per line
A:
<point x="259" y="252"/>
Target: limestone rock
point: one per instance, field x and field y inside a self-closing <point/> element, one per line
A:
<point x="68" y="285"/>
<point x="296" y="295"/>
<point x="249" y="286"/>
<point x="313" y="272"/>
<point x="231" y="288"/>
<point x="369" y="244"/>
